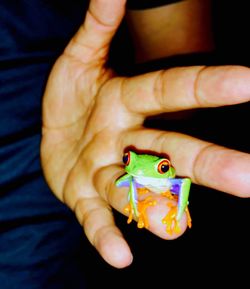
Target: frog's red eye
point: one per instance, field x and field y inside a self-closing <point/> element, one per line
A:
<point x="163" y="166"/>
<point x="126" y="158"/>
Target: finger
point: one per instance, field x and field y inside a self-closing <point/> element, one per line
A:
<point x="118" y="199"/>
<point x="97" y="220"/>
<point x="186" y="88"/>
<point x="205" y="163"/>
<point x="93" y="212"/>
<point x="91" y="42"/>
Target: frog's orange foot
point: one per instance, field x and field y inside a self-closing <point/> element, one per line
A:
<point x="142" y="206"/>
<point x="142" y="191"/>
<point x="129" y="210"/>
<point x="170" y="196"/>
<point x="189" y="220"/>
<point x="172" y="225"/>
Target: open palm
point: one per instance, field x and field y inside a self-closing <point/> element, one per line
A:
<point x="90" y="115"/>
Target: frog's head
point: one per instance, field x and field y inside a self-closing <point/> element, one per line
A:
<point x="147" y="165"/>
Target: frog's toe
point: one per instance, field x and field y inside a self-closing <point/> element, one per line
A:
<point x="189" y="220"/>
<point x="172" y="225"/>
<point x="129" y="210"/>
<point x="142" y="191"/>
<point x="169" y="195"/>
<point x="142" y="206"/>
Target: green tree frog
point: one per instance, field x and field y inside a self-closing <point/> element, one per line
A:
<point x="150" y="173"/>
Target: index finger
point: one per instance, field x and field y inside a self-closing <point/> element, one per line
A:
<point x="186" y="88"/>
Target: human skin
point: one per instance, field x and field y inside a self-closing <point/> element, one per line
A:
<point x="179" y="28"/>
<point x="90" y="115"/>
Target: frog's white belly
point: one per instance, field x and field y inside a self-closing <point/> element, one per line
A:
<point x="156" y="185"/>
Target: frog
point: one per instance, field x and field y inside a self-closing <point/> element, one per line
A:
<point x="150" y="173"/>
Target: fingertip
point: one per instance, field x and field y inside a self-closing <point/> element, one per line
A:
<point x="92" y="40"/>
<point x="224" y="85"/>
<point x="156" y="225"/>
<point x="108" y="13"/>
<point x="115" y="250"/>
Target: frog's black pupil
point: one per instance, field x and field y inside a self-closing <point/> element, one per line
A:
<point x="164" y="168"/>
<point x="125" y="159"/>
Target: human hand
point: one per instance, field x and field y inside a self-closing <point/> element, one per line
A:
<point x="90" y="115"/>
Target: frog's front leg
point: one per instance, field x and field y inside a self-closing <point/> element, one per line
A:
<point x="179" y="188"/>
<point x="131" y="208"/>
<point x="135" y="207"/>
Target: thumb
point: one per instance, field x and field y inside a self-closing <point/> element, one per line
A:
<point x="91" y="42"/>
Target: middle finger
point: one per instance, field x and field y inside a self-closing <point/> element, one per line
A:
<point x="205" y="163"/>
<point x="186" y="88"/>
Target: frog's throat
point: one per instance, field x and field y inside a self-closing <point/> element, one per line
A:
<point x="156" y="185"/>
